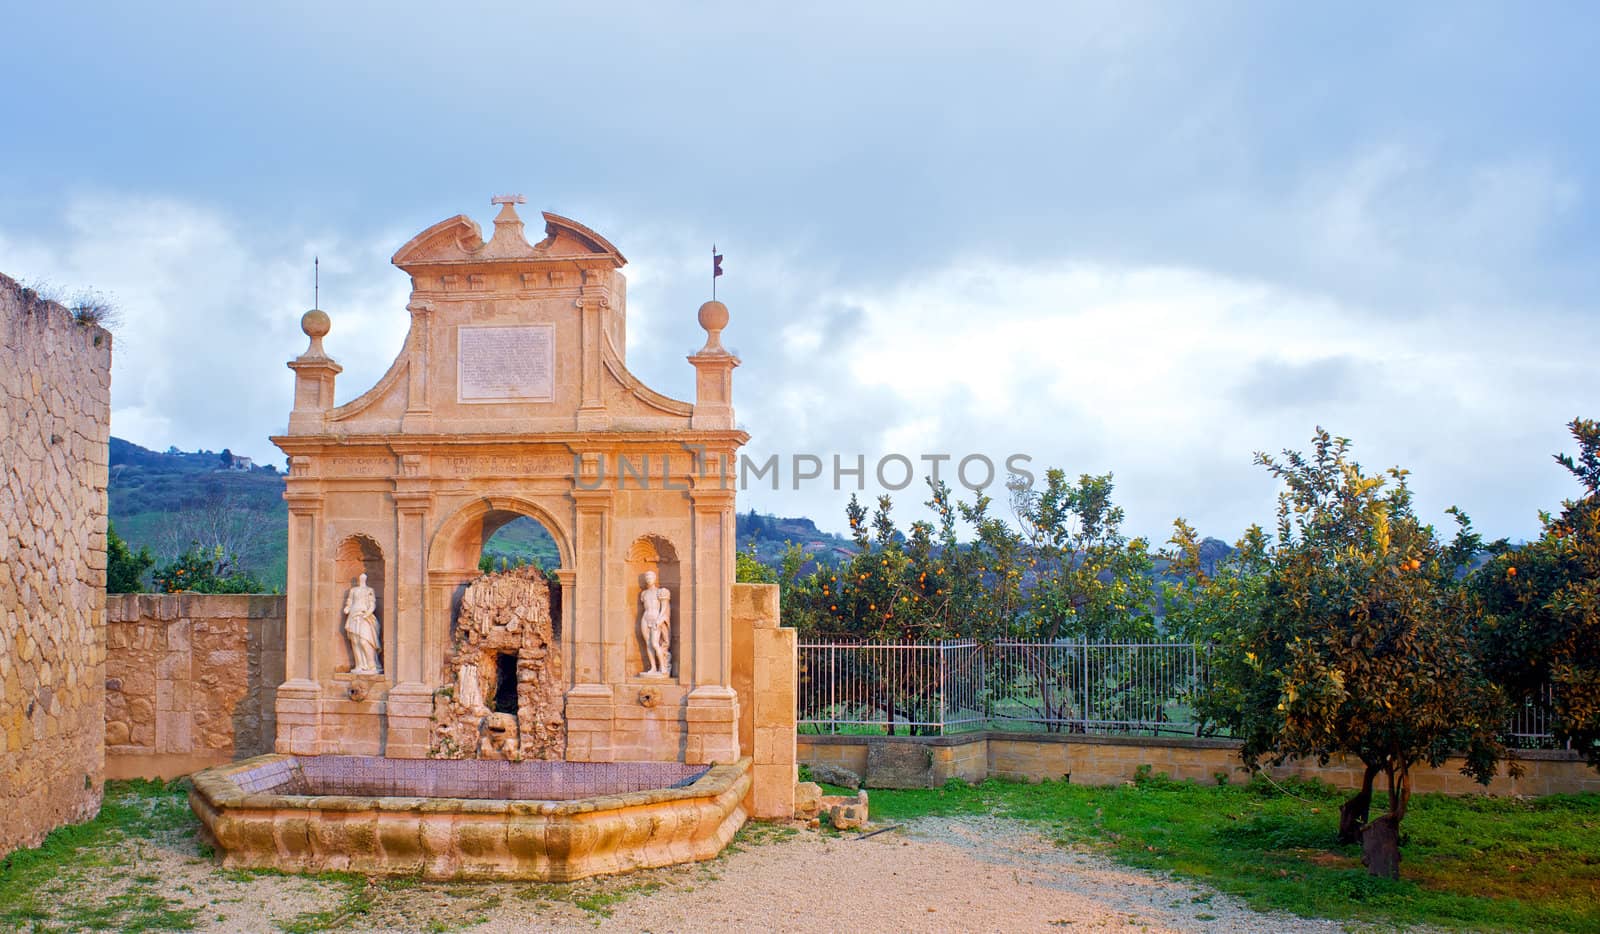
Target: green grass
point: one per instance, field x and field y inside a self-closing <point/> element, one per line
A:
<point x="1468" y="862"/>
<point x="597" y="897"/>
<point x="39" y="888"/>
<point x="356" y="899"/>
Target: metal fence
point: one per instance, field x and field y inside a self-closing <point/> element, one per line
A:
<point x="930" y="688"/>
<point x="938" y="687"/>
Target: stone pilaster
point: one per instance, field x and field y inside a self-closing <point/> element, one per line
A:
<point x="590" y="709"/>
<point x="409" y="707"/>
<point x="592" y="304"/>
<point x="298" y="707"/>
<point x="712" y="574"/>
<point x="419" y="410"/>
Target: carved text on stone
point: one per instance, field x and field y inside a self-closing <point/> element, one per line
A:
<point x="497" y="364"/>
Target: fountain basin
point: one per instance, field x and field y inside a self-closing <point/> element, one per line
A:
<point x="467" y="819"/>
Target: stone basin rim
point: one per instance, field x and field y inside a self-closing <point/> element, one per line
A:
<point x="216" y="787"/>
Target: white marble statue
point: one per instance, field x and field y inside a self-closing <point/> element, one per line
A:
<point x="361" y="627"/>
<point x="654" y="626"/>
<point x="469" y="693"/>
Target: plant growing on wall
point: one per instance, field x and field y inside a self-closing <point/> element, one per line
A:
<point x="1360" y="643"/>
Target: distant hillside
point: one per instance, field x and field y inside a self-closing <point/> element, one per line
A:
<point x="174" y="500"/>
<point x="769" y="536"/>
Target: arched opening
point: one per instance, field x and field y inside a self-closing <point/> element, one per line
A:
<point x="521" y="541"/>
<point x="497" y="534"/>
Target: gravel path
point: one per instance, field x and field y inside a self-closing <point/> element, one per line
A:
<point x="938" y="875"/>
<point x="934" y="874"/>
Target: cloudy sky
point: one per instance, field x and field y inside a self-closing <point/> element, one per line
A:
<point x="1146" y="239"/>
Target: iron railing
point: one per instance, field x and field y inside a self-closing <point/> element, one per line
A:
<point x="938" y="687"/>
<point x="931" y="688"/>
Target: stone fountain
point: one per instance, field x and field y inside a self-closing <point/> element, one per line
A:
<point x="629" y="708"/>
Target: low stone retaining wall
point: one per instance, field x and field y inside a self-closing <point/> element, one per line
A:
<point x="918" y="761"/>
<point x="191" y="680"/>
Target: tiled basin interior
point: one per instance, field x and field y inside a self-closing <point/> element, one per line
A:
<point x="371" y="776"/>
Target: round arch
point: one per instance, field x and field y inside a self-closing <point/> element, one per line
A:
<point x="458" y="541"/>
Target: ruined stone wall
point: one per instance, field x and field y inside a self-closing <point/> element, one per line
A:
<point x="191" y="680"/>
<point x="55" y="418"/>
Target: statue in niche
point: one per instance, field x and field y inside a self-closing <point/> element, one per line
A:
<point x="361" y="627"/>
<point x="655" y="627"/>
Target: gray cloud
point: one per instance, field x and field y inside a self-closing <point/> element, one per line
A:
<point x="1148" y="240"/>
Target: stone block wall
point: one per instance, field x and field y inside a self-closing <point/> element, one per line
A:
<point x="55" y="418"/>
<point x="191" y="680"/>
<point x="1110" y="760"/>
<point x="765" y="679"/>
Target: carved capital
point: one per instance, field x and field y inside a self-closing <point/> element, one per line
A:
<point x="412" y="502"/>
<point x="593" y="500"/>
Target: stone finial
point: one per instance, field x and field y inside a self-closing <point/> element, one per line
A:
<point x="713" y="317"/>
<point x="509" y="239"/>
<point x="316" y="324"/>
<point x="713" y="364"/>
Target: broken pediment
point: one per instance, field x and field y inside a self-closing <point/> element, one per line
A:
<point x="459" y="241"/>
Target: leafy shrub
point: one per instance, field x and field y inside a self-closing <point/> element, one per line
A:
<point x="125" y="568"/>
<point x="196" y="571"/>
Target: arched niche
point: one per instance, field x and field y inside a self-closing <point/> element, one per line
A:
<point x="652" y="553"/>
<point x="355" y="556"/>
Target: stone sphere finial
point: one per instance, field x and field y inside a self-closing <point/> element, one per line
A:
<point x="713" y="317"/>
<point x="316" y="324"/>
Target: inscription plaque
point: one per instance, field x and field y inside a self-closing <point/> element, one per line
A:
<point x="497" y="364"/>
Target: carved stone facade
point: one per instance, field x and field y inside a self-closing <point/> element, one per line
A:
<point x="55" y="399"/>
<point x="511" y="397"/>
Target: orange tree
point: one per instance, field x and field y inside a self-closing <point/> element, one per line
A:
<point x="1541" y="625"/>
<point x="1089" y="581"/>
<point x="1360" y="643"/>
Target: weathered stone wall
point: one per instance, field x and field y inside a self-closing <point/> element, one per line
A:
<point x="190" y="679"/>
<point x="55" y="418"/>
<point x="765" y="679"/>
<point x="1109" y="760"/>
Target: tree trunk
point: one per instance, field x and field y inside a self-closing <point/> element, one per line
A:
<point x="1380" y="847"/>
<point x="1353" y="813"/>
<point x="1380" y="839"/>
